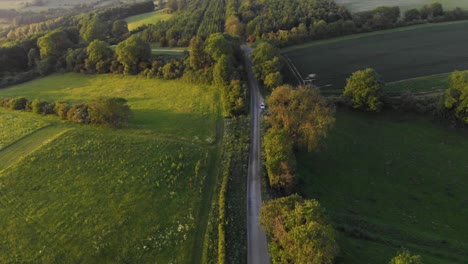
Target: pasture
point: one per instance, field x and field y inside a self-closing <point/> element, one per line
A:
<point x="148" y="18"/>
<point x="73" y="193"/>
<point x="15" y="125"/>
<point x="171" y="109"/>
<point x="363" y="5"/>
<point x="389" y="181"/>
<point x="396" y="54"/>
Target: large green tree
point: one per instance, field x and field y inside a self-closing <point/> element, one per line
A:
<point x="54" y="44"/>
<point x="303" y="113"/>
<point x="132" y="51"/>
<point x="298" y="231"/>
<point x="98" y="50"/>
<point x="93" y="28"/>
<point x="364" y="90"/>
<point x="456" y="96"/>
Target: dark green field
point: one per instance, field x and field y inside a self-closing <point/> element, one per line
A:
<point x="389" y="181"/>
<point x="396" y="54"/>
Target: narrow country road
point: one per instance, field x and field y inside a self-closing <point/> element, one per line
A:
<point x="257" y="248"/>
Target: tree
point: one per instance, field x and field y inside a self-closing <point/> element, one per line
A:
<point x="197" y="54"/>
<point x="217" y="45"/>
<point x="412" y="14"/>
<point x="299" y="231"/>
<point x="54" y="43"/>
<point x="93" y="28"/>
<point x="456" y="96"/>
<point x="405" y="257"/>
<point x="98" y="50"/>
<point x="303" y="113"/>
<point x="119" y="28"/>
<point x="109" y="111"/>
<point x="364" y="90"/>
<point x="222" y="70"/>
<point x="132" y="51"/>
<point x="280" y="160"/>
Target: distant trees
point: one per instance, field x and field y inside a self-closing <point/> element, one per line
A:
<point x="303" y="113"/>
<point x="299" y="231"/>
<point x="363" y="90"/>
<point x="405" y="257"/>
<point x="56" y="42"/>
<point x="99" y="55"/>
<point x="456" y="96"/>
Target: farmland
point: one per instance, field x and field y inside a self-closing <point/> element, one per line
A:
<point x="392" y="181"/>
<point x="362" y="5"/>
<point x="135" y="195"/>
<point x="396" y="54"/>
<point x="146" y="19"/>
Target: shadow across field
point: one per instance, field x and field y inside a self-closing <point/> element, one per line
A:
<point x="391" y="181"/>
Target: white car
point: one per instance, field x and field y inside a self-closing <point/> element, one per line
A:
<point x="262" y="106"/>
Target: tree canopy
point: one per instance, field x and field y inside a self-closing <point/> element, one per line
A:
<point x="98" y="50"/>
<point x="299" y="231"/>
<point x="132" y="51"/>
<point x="302" y="112"/>
<point x="405" y="257"/>
<point x="364" y="90"/>
<point x="456" y="96"/>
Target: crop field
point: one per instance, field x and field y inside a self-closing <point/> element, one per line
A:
<point x="73" y="193"/>
<point x="389" y="181"/>
<point x="362" y="5"/>
<point x="397" y="54"/>
<point x="146" y="19"/>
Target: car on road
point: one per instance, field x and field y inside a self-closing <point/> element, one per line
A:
<point x="262" y="106"/>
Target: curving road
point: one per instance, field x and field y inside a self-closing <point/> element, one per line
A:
<point x="257" y="248"/>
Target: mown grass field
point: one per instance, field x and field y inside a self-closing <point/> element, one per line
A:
<point x="15" y="125"/>
<point x="171" y="109"/>
<point x="389" y="181"/>
<point x="397" y="54"/>
<point x="147" y="18"/>
<point x="362" y="5"/>
<point x="97" y="195"/>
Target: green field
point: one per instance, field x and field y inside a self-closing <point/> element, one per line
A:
<point x="389" y="181"/>
<point x="362" y="5"/>
<point x="397" y="54"/>
<point x="435" y="82"/>
<point x="73" y="193"/>
<point x="15" y="125"/>
<point x="147" y="18"/>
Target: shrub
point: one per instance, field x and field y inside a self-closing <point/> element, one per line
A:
<point x="18" y="103"/>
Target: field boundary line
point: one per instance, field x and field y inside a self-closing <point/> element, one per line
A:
<point x="420" y="77"/>
<point x="294" y="70"/>
<point x="29" y="144"/>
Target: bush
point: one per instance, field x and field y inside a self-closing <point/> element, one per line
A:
<point x="78" y="113"/>
<point x="18" y="103"/>
<point x="42" y="107"/>
<point x="364" y="90"/>
<point x="61" y="109"/>
<point x="109" y="111"/>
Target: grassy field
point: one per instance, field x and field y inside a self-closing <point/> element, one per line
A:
<point x="72" y="193"/>
<point x="147" y="18"/>
<point x="15" y="125"/>
<point x="396" y="54"/>
<point x="420" y="84"/>
<point x="362" y="5"/>
<point x="166" y="108"/>
<point x="390" y="181"/>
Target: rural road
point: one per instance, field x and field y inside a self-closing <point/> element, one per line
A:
<point x="257" y="248"/>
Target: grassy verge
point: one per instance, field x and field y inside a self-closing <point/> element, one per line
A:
<point x="390" y="181"/>
<point x="420" y="84"/>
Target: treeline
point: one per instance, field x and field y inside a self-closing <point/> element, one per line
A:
<point x="267" y="64"/>
<point x="365" y="90"/>
<point x="112" y="112"/>
<point x="106" y="17"/>
<point x="340" y="22"/>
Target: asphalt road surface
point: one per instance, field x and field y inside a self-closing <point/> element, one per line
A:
<point x="257" y="248"/>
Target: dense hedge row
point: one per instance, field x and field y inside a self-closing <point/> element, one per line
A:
<point x="104" y="111"/>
